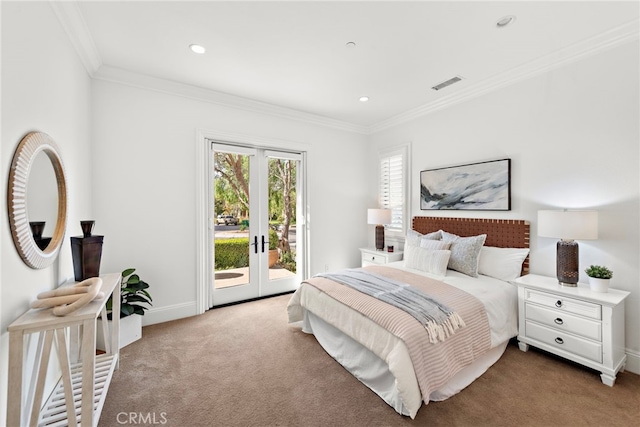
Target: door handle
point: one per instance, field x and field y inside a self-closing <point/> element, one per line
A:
<point x="255" y="243"/>
<point x="263" y="243"/>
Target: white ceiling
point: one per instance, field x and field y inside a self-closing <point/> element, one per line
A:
<point x="294" y="55"/>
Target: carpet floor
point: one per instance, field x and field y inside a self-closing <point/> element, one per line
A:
<point x="243" y="365"/>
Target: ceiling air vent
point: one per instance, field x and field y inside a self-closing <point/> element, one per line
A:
<point x="446" y="83"/>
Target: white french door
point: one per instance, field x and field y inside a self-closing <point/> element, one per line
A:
<point x="255" y="215"/>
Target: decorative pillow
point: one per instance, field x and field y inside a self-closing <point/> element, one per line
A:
<point x="464" y="252"/>
<point x="412" y="238"/>
<point x="429" y="261"/>
<point x="501" y="263"/>
<point x="436" y="235"/>
<point x="434" y="245"/>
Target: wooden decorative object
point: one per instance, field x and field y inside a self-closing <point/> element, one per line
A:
<point x="68" y="299"/>
<point x="501" y="233"/>
<point x="30" y="146"/>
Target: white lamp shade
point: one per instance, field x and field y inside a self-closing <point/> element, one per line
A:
<point x="379" y="216"/>
<point x="568" y="225"/>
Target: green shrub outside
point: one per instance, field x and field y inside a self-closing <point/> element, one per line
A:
<point x="231" y="253"/>
<point x="273" y="239"/>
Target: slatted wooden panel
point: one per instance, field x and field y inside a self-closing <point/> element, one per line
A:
<point x="501" y="233"/>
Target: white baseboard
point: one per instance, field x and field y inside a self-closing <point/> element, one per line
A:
<point x="633" y="362"/>
<point x="167" y="313"/>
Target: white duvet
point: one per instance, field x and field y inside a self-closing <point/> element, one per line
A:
<point x="498" y="297"/>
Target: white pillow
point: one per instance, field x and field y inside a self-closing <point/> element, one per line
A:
<point x="436" y="235"/>
<point x="412" y="238"/>
<point x="464" y="252"/>
<point x="434" y="244"/>
<point x="430" y="261"/>
<point x="501" y="263"/>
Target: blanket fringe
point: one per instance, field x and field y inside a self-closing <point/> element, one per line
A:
<point x="438" y="333"/>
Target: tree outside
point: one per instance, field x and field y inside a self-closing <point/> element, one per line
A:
<point x="232" y="198"/>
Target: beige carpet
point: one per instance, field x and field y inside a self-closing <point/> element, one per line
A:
<point x="243" y="365"/>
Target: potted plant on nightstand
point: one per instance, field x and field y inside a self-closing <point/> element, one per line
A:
<point x="599" y="277"/>
<point x="134" y="300"/>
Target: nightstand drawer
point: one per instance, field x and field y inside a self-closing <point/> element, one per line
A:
<point x="563" y="321"/>
<point x="572" y="344"/>
<point x="374" y="258"/>
<point x="564" y="304"/>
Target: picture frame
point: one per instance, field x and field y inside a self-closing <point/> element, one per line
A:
<point x="473" y="186"/>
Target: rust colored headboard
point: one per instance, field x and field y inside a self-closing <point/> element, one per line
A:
<point x="501" y="233"/>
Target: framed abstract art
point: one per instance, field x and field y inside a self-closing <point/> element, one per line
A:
<point x="474" y="186"/>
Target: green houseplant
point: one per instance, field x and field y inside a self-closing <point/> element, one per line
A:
<point x="134" y="297"/>
<point x="273" y="239"/>
<point x="599" y="277"/>
<point x="273" y="247"/>
<point x="599" y="272"/>
<point x="134" y="300"/>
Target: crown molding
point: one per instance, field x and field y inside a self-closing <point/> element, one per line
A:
<point x="70" y="17"/>
<point x="607" y="40"/>
<point x="130" y="78"/>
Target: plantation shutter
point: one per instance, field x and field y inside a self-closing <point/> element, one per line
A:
<point x="392" y="188"/>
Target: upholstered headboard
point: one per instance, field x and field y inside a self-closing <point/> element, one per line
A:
<point x="501" y="233"/>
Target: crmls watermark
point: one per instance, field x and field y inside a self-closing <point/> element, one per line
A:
<point x="140" y="418"/>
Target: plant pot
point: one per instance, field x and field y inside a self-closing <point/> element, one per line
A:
<point x="599" y="285"/>
<point x="130" y="331"/>
<point x="273" y="257"/>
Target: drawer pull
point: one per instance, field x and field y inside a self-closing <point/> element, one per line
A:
<point x="559" y="340"/>
<point x="558" y="303"/>
<point x="558" y="321"/>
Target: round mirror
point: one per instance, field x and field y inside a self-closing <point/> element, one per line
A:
<point x="42" y="200"/>
<point x="34" y="203"/>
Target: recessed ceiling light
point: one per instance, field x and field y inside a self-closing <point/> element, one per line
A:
<point x="351" y="45"/>
<point x="197" y="48"/>
<point x="364" y="98"/>
<point x="505" y="20"/>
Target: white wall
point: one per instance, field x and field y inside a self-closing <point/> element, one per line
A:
<point x="572" y="135"/>
<point x="130" y="158"/>
<point x="44" y="88"/>
<point x="145" y="186"/>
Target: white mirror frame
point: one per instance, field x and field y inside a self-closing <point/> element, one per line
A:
<point x="30" y="146"/>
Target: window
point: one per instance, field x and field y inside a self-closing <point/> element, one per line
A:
<point x="393" y="186"/>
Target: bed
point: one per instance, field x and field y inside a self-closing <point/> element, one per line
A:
<point x="461" y="265"/>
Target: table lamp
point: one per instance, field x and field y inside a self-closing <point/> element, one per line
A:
<point x="568" y="226"/>
<point x="379" y="217"/>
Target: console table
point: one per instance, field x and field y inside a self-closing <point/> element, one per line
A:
<point x="80" y="393"/>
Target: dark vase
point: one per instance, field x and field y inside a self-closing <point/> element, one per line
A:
<point x="87" y="227"/>
<point x="86" y="252"/>
<point x="37" y="227"/>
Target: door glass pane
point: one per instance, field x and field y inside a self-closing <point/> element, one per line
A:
<point x="231" y="208"/>
<point x="282" y="217"/>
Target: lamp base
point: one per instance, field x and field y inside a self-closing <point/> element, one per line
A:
<point x="567" y="263"/>
<point x="380" y="237"/>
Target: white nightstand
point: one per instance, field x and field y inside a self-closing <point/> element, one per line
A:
<point x="576" y="323"/>
<point x="372" y="256"/>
